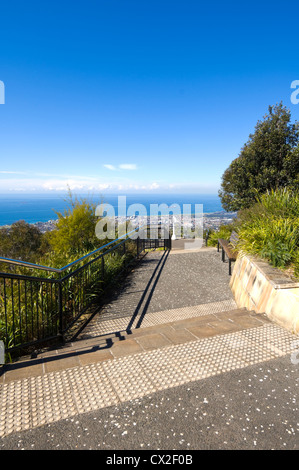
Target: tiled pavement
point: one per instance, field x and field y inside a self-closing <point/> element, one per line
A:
<point x="170" y="348"/>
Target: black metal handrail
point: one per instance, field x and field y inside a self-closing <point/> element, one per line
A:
<point x="61" y="270"/>
<point x="35" y="310"/>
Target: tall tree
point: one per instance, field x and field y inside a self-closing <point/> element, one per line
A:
<point x="20" y="241"/>
<point x="269" y="160"/>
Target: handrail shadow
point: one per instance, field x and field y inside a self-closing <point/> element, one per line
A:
<point x="162" y="262"/>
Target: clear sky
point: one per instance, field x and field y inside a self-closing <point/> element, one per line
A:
<point x="131" y="95"/>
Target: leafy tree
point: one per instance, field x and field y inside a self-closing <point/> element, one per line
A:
<point x="21" y="241"/>
<point x="75" y="232"/>
<point x="269" y="160"/>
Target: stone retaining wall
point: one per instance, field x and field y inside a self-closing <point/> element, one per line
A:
<point x="259" y="287"/>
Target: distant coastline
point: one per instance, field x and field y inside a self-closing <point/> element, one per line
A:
<point x="211" y="221"/>
<point x="40" y="210"/>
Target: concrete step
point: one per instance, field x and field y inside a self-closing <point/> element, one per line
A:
<point x="126" y="343"/>
<point x="87" y="376"/>
<point x="102" y="324"/>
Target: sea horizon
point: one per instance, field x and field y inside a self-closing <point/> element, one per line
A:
<point x="34" y="208"/>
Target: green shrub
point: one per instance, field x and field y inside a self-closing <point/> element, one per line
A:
<point x="270" y="228"/>
<point x="296" y="264"/>
<point x="75" y="232"/>
<point x="223" y="232"/>
<point x="277" y="253"/>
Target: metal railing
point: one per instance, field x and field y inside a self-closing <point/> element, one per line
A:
<point x="42" y="308"/>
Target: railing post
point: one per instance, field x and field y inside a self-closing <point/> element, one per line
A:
<point x="60" y="313"/>
<point x="103" y="267"/>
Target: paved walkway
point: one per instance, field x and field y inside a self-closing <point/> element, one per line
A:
<point x="170" y="364"/>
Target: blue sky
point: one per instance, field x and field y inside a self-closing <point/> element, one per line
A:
<point x="126" y="95"/>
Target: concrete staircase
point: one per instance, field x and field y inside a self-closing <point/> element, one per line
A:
<point x="136" y="348"/>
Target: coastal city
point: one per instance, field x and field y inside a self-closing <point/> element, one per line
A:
<point x="211" y="221"/>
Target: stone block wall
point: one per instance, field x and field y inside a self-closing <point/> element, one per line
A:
<point x="258" y="286"/>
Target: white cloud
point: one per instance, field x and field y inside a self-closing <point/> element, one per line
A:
<point x="122" y="166"/>
<point x="61" y="185"/>
<point x="5" y="172"/>
<point x="128" y="166"/>
<point x="102" y="187"/>
<point x="154" y="186"/>
<point x="110" y="167"/>
<point x="10" y="181"/>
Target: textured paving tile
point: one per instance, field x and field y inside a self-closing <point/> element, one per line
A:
<point x="162" y="369"/>
<point x="128" y="378"/>
<point x="272" y="338"/>
<point x="35" y="401"/>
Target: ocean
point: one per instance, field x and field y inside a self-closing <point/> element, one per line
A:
<point x="42" y="207"/>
